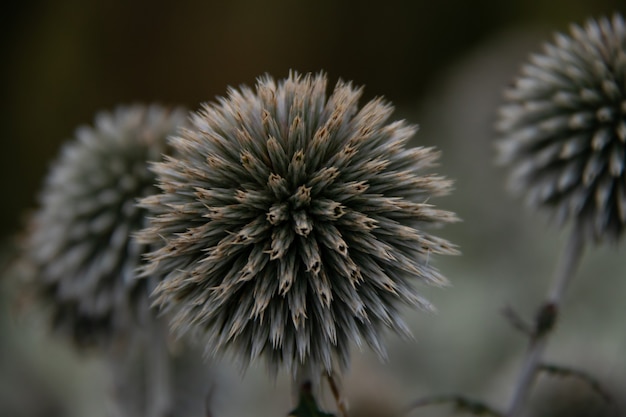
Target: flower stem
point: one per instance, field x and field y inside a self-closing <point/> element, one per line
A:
<point x="341" y="404"/>
<point x="546" y="319"/>
<point x="159" y="385"/>
<point x="126" y="398"/>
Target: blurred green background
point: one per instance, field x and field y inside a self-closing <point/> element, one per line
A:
<point x="442" y="63"/>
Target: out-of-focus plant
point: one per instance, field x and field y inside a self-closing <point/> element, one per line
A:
<point x="563" y="134"/>
<point x="84" y="261"/>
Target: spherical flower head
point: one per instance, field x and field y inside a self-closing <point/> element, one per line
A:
<point x="563" y="128"/>
<point x="81" y="245"/>
<point x="292" y="224"/>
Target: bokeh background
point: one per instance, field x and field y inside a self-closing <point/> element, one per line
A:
<point x="443" y="63"/>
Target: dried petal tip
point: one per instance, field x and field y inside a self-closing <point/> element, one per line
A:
<point x="563" y="128"/>
<point x="303" y="224"/>
<point x="80" y="242"/>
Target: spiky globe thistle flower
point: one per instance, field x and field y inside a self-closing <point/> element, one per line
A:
<point x="84" y="257"/>
<point x="563" y="128"/>
<point x="292" y="224"/>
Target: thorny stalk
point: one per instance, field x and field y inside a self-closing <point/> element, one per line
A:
<point x="546" y="319"/>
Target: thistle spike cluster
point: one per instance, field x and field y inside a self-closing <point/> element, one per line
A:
<point x="563" y="128"/>
<point x="291" y="224"/>
<point x="80" y="244"/>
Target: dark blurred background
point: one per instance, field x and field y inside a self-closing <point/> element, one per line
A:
<point x="442" y="63"/>
<point x="64" y="60"/>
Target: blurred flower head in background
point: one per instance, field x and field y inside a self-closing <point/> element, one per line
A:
<point x="563" y="128"/>
<point x="80" y="247"/>
<point x="294" y="224"/>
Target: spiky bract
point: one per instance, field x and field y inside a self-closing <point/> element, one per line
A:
<point x="81" y="244"/>
<point x="293" y="224"/>
<point x="564" y="128"/>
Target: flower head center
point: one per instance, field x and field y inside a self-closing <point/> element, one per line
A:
<point x="294" y="209"/>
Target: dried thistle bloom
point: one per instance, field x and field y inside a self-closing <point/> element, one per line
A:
<point x="563" y="128"/>
<point x="292" y="224"/>
<point x="84" y="258"/>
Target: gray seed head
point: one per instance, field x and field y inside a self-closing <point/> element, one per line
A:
<point x="80" y="243"/>
<point x="292" y="224"/>
<point x="563" y="128"/>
